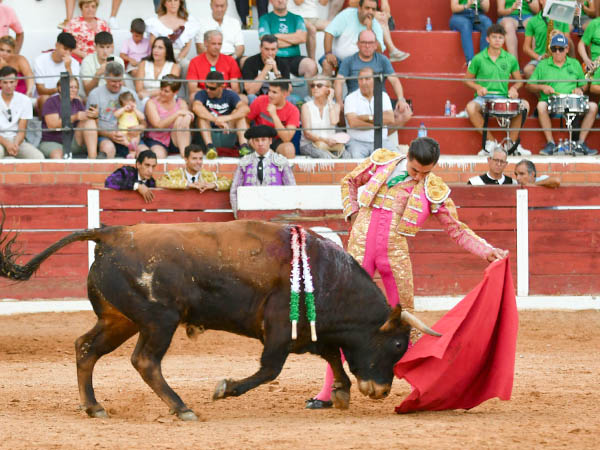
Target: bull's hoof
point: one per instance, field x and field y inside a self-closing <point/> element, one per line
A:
<point x="220" y="390"/>
<point x="97" y="412"/>
<point x="187" y="416"/>
<point x="340" y="398"/>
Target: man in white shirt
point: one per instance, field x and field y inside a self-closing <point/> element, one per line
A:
<point x="15" y="111"/>
<point x="359" y="111"/>
<point x="233" y="40"/>
<point x="48" y="66"/>
<point x="94" y="65"/>
<point x="497" y="162"/>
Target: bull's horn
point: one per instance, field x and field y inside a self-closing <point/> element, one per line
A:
<point x="417" y="323"/>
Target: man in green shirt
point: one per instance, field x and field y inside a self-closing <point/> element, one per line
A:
<point x="591" y="38"/>
<point x="536" y="31"/>
<point x="290" y="31"/>
<point x="560" y="67"/>
<point x="494" y="63"/>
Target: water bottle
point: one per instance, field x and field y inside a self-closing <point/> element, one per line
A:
<point x="422" y="130"/>
<point x="561" y="147"/>
<point x="448" y="108"/>
<point x="428" y="24"/>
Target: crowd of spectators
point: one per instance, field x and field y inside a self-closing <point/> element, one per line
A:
<point x="135" y="100"/>
<point x="129" y="100"/>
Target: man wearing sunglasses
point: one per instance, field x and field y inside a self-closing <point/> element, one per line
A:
<point x="221" y="110"/>
<point x="560" y="67"/>
<point x="497" y="163"/>
<point x="15" y="110"/>
<point x="535" y="44"/>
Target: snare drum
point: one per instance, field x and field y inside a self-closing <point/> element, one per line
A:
<point x="503" y="107"/>
<point x="568" y="103"/>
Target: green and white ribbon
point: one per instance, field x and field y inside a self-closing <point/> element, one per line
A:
<point x="309" y="296"/>
<point x="298" y="243"/>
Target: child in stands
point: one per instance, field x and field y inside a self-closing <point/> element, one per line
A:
<point x="136" y="47"/>
<point x="129" y="119"/>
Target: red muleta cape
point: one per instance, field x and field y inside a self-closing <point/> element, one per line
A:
<point x="474" y="360"/>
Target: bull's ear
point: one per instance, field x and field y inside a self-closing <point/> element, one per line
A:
<point x="394" y="320"/>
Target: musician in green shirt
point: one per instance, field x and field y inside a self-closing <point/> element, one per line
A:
<point x="560" y="67"/>
<point x="494" y="63"/>
<point x="536" y="32"/>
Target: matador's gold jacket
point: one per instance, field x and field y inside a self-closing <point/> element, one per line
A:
<point x="176" y="179"/>
<point x="413" y="201"/>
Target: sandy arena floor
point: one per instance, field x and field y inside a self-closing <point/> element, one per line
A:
<point x="556" y="397"/>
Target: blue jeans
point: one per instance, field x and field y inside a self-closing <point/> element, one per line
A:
<point x="463" y="23"/>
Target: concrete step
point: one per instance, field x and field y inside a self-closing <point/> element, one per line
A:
<point x="412" y="14"/>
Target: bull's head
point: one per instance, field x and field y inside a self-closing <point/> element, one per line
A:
<point x="373" y="364"/>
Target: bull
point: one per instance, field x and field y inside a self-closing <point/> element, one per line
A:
<point x="235" y="276"/>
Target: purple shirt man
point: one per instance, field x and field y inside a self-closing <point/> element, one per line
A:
<point x="138" y="178"/>
<point x="263" y="167"/>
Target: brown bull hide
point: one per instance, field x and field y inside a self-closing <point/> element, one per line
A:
<point x="234" y="276"/>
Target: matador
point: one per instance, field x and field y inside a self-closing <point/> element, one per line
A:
<point x="398" y="193"/>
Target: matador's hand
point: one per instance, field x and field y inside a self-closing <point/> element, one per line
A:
<point x="497" y="254"/>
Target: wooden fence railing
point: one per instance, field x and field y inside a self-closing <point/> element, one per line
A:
<point x="563" y="232"/>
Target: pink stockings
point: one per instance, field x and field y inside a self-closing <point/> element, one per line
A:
<point x="375" y="258"/>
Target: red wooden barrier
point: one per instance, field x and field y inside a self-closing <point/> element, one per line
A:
<point x="43" y="214"/>
<point x="564" y="244"/>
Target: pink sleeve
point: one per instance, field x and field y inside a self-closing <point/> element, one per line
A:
<point x="350" y="184"/>
<point x="125" y="48"/>
<point x="15" y="25"/>
<point x="460" y="232"/>
<point x="103" y="25"/>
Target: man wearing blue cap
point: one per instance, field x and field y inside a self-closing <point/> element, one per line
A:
<point x="560" y="67"/>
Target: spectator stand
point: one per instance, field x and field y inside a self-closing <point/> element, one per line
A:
<point x="433" y="54"/>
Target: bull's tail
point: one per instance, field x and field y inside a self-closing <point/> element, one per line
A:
<point x="10" y="269"/>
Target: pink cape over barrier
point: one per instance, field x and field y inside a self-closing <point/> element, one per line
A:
<point x="474" y="360"/>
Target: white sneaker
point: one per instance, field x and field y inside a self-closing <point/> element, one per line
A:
<point x="490" y="146"/>
<point x="520" y="151"/>
<point x="462" y="114"/>
<point x="113" y="24"/>
<point x="397" y="55"/>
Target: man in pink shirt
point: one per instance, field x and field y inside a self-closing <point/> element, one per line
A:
<point x="9" y="20"/>
<point x="137" y="46"/>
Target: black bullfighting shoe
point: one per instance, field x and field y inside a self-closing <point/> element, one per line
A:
<point x="313" y="403"/>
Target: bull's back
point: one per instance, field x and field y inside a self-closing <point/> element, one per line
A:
<point x="214" y="274"/>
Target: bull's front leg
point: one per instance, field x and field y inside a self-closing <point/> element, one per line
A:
<point x="276" y="341"/>
<point x="340" y="394"/>
<point x="271" y="362"/>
